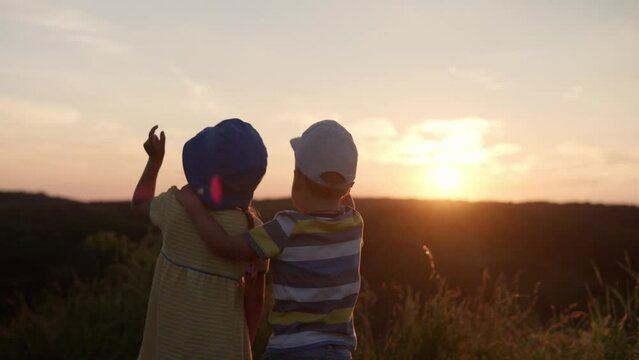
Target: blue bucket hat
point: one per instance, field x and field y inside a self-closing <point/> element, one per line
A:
<point x="225" y="163"/>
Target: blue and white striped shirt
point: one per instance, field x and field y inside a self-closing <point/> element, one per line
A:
<point x="315" y="269"/>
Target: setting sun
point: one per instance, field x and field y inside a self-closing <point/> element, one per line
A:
<point x="447" y="180"/>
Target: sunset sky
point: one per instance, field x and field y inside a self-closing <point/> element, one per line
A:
<point x="473" y="100"/>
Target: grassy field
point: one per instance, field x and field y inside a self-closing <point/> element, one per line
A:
<point x="103" y="318"/>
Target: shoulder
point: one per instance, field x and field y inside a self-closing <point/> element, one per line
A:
<point x="278" y="229"/>
<point x="162" y="204"/>
<point x="166" y="199"/>
<point x="351" y="212"/>
<point x="235" y="221"/>
<point x="291" y="214"/>
<point x="288" y="220"/>
<point x="169" y="195"/>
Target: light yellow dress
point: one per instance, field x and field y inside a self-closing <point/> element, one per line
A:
<point x="196" y="305"/>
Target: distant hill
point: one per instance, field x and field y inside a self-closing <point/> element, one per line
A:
<point x="551" y="243"/>
<point x="555" y="244"/>
<point x="41" y="238"/>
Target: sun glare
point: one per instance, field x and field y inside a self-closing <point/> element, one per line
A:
<point x="447" y="180"/>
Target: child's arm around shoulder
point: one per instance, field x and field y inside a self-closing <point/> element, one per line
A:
<point x="212" y="233"/>
<point x="145" y="190"/>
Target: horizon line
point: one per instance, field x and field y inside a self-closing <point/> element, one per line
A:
<point x="282" y="198"/>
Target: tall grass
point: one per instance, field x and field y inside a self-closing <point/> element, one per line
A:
<point x="97" y="319"/>
<point x="497" y="322"/>
<point x="104" y="318"/>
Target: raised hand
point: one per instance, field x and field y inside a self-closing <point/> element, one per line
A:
<point x="154" y="146"/>
<point x="145" y="190"/>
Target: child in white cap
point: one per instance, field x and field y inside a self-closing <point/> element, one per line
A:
<point x="314" y="251"/>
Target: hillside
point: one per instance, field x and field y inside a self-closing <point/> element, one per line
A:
<point x="41" y="240"/>
<point x="555" y="244"/>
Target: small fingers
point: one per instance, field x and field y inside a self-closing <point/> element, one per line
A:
<point x="162" y="137"/>
<point x="152" y="132"/>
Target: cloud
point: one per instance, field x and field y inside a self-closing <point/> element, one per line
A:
<point x="573" y="171"/>
<point x="576" y="150"/>
<point x="39" y="131"/>
<point x="36" y="113"/>
<point x="574" y="92"/>
<point x="486" y="167"/>
<point x="438" y="158"/>
<point x="373" y="128"/>
<point x="461" y="142"/>
<point x="624" y="158"/>
<point x="79" y="27"/>
<point x="200" y="96"/>
<point x="99" y="44"/>
<point x="69" y="20"/>
<point x="489" y="80"/>
<point x="433" y="141"/>
<point x="573" y="155"/>
<point x="46" y="127"/>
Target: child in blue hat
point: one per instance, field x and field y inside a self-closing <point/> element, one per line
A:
<point x="201" y="305"/>
<point x="315" y="249"/>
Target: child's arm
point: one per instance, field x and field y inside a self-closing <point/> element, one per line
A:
<point x="230" y="247"/>
<point x="145" y="190"/>
<point x="254" y="284"/>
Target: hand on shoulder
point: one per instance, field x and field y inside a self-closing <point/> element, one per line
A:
<point x="187" y="197"/>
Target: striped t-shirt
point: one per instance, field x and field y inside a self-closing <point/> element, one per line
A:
<point x="315" y="270"/>
<point x="196" y="304"/>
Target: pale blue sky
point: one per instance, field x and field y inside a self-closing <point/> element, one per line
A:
<point x="506" y="100"/>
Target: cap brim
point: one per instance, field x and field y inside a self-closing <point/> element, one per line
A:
<point x="338" y="187"/>
<point x="295" y="144"/>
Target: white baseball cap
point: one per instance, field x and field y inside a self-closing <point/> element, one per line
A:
<point x="326" y="147"/>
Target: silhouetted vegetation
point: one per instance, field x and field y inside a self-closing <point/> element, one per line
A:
<point x="508" y="281"/>
<point x="555" y="245"/>
<point x="41" y="241"/>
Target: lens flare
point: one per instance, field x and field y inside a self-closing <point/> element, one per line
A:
<point x="216" y="191"/>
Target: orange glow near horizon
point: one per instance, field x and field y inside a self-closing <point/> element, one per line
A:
<point x="446" y="181"/>
<point x="80" y="87"/>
